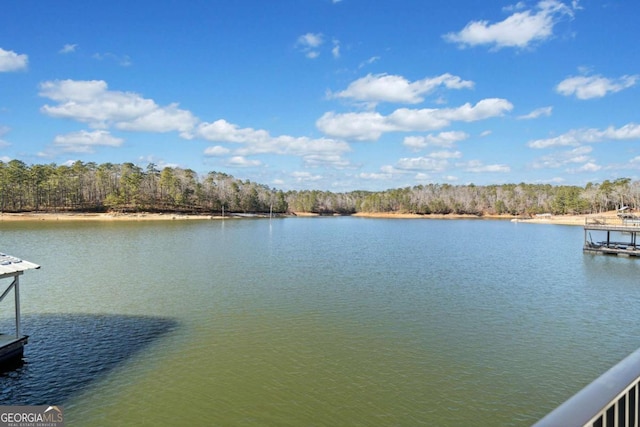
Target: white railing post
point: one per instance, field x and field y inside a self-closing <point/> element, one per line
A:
<point x="16" y="291"/>
<point x="637" y="404"/>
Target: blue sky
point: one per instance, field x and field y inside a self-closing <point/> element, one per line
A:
<point x="327" y="94"/>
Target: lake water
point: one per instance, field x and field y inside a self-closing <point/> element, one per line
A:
<point x="314" y="321"/>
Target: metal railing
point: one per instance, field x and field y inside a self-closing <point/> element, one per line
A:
<point x="618" y="221"/>
<point x="612" y="400"/>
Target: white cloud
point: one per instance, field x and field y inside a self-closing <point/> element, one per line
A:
<point x="538" y="112"/>
<point x="75" y="90"/>
<point x="556" y="180"/>
<point x="297" y="146"/>
<point x="91" y="102"/>
<point x="159" y="162"/>
<point x="68" y="48"/>
<point x="11" y="61"/>
<point x="86" y="142"/>
<point x="423" y="178"/>
<point x="445" y="154"/>
<point x="375" y="176"/>
<point x="629" y="131"/>
<point x="336" y="49"/>
<point x="587" y="167"/>
<point x="393" y="88"/>
<point x="162" y="119"/>
<point x="422" y="164"/>
<point x="562" y="158"/>
<point x="520" y="30"/>
<point x="443" y="139"/>
<point x="476" y="166"/>
<point x="216" y="151"/>
<point x="3" y="131"/>
<point x="360" y="126"/>
<point x="630" y="164"/>
<point x="310" y="40"/>
<point x="243" y="162"/>
<point x="305" y="176"/>
<point x="369" y="61"/>
<point x="371" y="125"/>
<point x="314" y="151"/>
<point x="587" y="87"/>
<point x="518" y="6"/>
<point x="332" y="160"/>
<point x="309" y="43"/>
<point x="222" y="130"/>
<point x="389" y="169"/>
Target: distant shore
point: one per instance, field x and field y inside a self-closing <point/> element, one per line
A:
<point x="142" y="216"/>
<point x="549" y="219"/>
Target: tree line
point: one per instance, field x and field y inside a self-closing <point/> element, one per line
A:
<point x="89" y="187"/>
<point x="126" y="187"/>
<point x="504" y="199"/>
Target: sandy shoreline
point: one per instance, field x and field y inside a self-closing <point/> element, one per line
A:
<point x="68" y="216"/>
<point x="541" y="219"/>
<point x="555" y="219"/>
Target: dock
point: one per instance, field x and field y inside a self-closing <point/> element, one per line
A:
<point x="11" y="348"/>
<point x="12" y="344"/>
<point x="612" y="235"/>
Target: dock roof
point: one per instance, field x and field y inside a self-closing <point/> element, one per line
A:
<point x="12" y="266"/>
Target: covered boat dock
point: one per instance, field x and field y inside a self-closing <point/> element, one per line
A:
<point x="612" y="235"/>
<point x="12" y="344"/>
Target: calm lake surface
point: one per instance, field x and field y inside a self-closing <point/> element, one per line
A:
<point x="314" y="321"/>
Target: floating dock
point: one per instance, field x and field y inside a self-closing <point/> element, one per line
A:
<point x="612" y="235"/>
<point x="12" y="344"/>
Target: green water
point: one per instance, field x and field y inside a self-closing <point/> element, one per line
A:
<point x="322" y="321"/>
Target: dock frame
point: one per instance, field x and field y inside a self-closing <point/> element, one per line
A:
<point x="621" y="236"/>
<point x="12" y="345"/>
